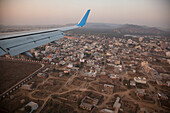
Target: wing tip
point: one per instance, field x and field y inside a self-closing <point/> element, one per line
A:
<point x="84" y="19"/>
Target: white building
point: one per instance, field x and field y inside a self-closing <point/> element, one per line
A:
<point x="168" y="54"/>
<point x="70" y="65"/>
<point x="114" y="76"/>
<point x="108" y="85"/>
<point x="141" y="80"/>
<point x="33" y="106"/>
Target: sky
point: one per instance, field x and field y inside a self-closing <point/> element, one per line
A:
<point x="154" y="13"/>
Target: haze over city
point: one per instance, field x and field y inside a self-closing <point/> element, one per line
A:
<point x="154" y="13"/>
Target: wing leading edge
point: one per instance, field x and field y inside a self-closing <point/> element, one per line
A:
<point x="16" y="44"/>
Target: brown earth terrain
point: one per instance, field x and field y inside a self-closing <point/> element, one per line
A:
<point x="11" y="72"/>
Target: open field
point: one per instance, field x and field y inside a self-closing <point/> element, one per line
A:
<point x="12" y="72"/>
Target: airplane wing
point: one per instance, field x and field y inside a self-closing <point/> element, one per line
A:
<point x="16" y="44"/>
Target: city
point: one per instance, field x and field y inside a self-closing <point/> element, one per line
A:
<point x="84" y="56"/>
<point x="92" y="73"/>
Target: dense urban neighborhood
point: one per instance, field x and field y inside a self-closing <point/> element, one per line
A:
<point x="89" y="73"/>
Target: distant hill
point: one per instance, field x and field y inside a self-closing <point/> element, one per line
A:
<point x="127" y="29"/>
<point x="94" y="28"/>
<point x="136" y="29"/>
<point x="102" y="26"/>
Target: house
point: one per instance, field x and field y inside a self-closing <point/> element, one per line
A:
<point x="27" y="86"/>
<point x="118" y="68"/>
<point x="91" y="74"/>
<point x="115" y="77"/>
<point x="62" y="63"/>
<point x="132" y="83"/>
<point x="141" y="80"/>
<point x="117" y="105"/>
<point x="33" y="106"/>
<point x="108" y="85"/>
<point x="43" y="75"/>
<point x="86" y="106"/>
<point x="163" y="83"/>
<point x="108" y="88"/>
<point x="107" y="111"/>
<point x="82" y="60"/>
<point x="162" y="96"/>
<point x="168" y="83"/>
<point x="46" y="70"/>
<point x="88" y="103"/>
<point x="66" y="71"/>
<point x="140" y="92"/>
<point x="70" y="65"/>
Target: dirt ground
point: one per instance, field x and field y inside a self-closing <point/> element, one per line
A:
<point x="12" y="72"/>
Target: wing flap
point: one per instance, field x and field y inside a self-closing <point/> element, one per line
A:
<point x="25" y="47"/>
<point x="2" y="52"/>
<point x="15" y="41"/>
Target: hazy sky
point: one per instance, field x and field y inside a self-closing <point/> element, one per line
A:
<point x="141" y="12"/>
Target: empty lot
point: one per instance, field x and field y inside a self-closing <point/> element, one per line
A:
<point x="12" y="72"/>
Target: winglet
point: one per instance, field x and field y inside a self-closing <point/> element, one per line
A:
<point x="84" y="19"/>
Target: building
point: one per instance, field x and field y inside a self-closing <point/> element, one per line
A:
<point x="33" y="106"/>
<point x="86" y="106"/>
<point x="140" y="92"/>
<point x="66" y="71"/>
<point x="27" y="86"/>
<point x="140" y="39"/>
<point x="107" y="111"/>
<point x="108" y="88"/>
<point x="162" y="96"/>
<point x="88" y="103"/>
<point x="108" y="85"/>
<point x="117" y="105"/>
<point x="132" y="83"/>
<point x="118" y="68"/>
<point x="91" y="74"/>
<point x="43" y="75"/>
<point x="70" y="65"/>
<point x="115" y="77"/>
<point x="168" y="54"/>
<point x="62" y="63"/>
<point x="141" y="80"/>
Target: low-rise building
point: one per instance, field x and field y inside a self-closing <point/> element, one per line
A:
<point x="141" y="80"/>
<point x="91" y="74"/>
<point x="108" y="85"/>
<point x="108" y="88"/>
<point x="140" y="92"/>
<point x="114" y="77"/>
<point x="88" y="103"/>
<point x="118" y="68"/>
<point x="162" y="96"/>
<point x="117" y="105"/>
<point x="62" y="63"/>
<point x="107" y="111"/>
<point x="33" y="106"/>
<point x="132" y="83"/>
<point x="43" y="75"/>
<point x="27" y="86"/>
